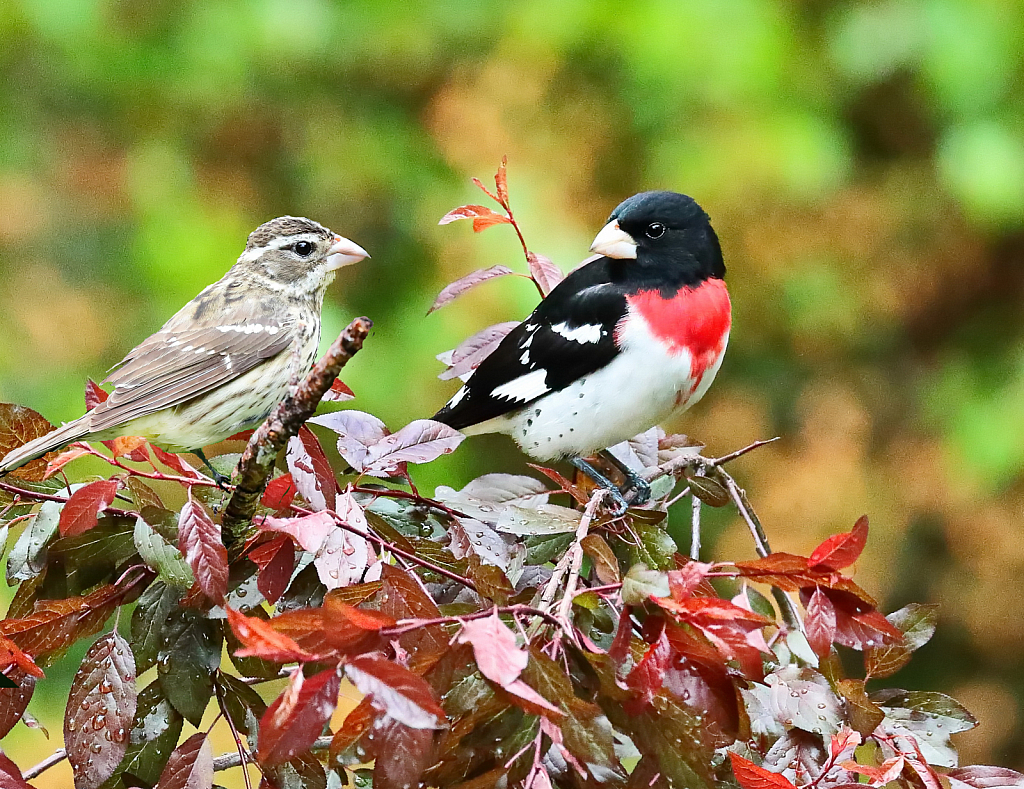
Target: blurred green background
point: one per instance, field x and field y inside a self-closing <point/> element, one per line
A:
<point x="862" y="162"/>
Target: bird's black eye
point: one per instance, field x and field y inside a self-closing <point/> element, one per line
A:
<point x="304" y="248"/>
<point x="655" y="230"/>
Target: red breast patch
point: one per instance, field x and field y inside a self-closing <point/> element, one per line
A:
<point x="695" y="319"/>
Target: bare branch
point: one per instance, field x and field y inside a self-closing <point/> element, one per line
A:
<point x="257" y="462"/>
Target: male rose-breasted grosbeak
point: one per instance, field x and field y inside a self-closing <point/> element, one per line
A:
<point x="223" y="362"/>
<point x="619" y="345"/>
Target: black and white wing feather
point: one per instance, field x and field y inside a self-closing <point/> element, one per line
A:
<point x="570" y="335"/>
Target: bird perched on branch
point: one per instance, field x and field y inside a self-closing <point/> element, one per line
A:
<point x="223" y="362"/>
<point x="621" y="344"/>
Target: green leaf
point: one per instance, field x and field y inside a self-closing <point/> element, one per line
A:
<point x="148" y="619"/>
<point x="159" y="553"/>
<point x="28" y="556"/>
<point x="708" y="490"/>
<point x="154" y="734"/>
<point x="541" y="550"/>
<point x="187" y="661"/>
<point x="930" y="717"/>
<point x="243" y="705"/>
<point x="673" y="734"/>
<point x="587" y="734"/>
<point x="544" y="519"/>
<point x="95" y="556"/>
<point x="656" y="548"/>
<point x="641" y="582"/>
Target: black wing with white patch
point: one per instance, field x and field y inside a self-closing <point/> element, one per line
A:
<point x="571" y="334"/>
<point x="184" y="360"/>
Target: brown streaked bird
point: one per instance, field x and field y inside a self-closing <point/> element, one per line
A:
<point x="226" y="358"/>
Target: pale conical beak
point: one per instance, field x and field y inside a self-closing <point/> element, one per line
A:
<point x="614" y="242"/>
<point x="344" y="253"/>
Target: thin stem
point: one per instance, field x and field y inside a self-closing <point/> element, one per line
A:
<point x="393" y="493"/>
<point x="382" y="543"/>
<point x="576" y="551"/>
<point x="695" y="529"/>
<point x="242" y="755"/>
<point x="741" y="452"/>
<point x="405" y="625"/>
<point x="228" y="760"/>
<point x="39" y="496"/>
<point x="739" y="497"/>
<point x="58" y="756"/>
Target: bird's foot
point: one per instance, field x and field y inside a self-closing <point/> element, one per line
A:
<point x="223" y="481"/>
<point x="617" y="503"/>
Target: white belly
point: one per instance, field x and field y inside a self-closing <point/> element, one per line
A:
<point x="639" y="388"/>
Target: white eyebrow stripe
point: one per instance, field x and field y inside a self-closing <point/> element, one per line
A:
<point x="590" y="332"/>
<point x="279" y="243"/>
<point x="252" y="328"/>
<point x="525" y="387"/>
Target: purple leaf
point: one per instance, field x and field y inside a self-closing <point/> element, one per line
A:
<point x="497" y="654"/>
<point x="10" y="775"/>
<point x="13" y="701"/>
<point x="309" y="531"/>
<point x="984" y="777"/>
<point x="190" y="765"/>
<point x="340" y="557"/>
<point x="545" y="273"/>
<point x="461" y="285"/>
<point x="357" y="432"/>
<point x="312" y="473"/>
<point x="200" y="543"/>
<point x="470" y="536"/>
<point x="100" y="711"/>
<point x="472" y="351"/>
<point x="402" y="754"/>
<point x="419" y="441"/>
<point x="397" y="692"/>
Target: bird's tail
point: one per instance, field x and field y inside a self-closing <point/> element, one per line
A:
<point x="55" y="439"/>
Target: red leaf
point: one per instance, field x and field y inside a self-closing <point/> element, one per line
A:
<point x="311" y="471"/>
<point x="132" y="446"/>
<point x="100" y="711"/>
<point x="396" y="691"/>
<point x="402" y="754"/>
<point x="458" y="287"/>
<point x="338" y="393"/>
<point x="65" y="457"/>
<point x="94" y="395"/>
<point x="276" y="560"/>
<point x="12" y="655"/>
<point x="841" y="550"/>
<point x="296" y="718"/>
<point x="10" y="775"/>
<point x="531" y="701"/>
<point x="174" y="462"/>
<point x="56" y="624"/>
<point x="14" y="701"/>
<point x="498" y="656"/>
<point x="984" y="777"/>
<point x="199" y="542"/>
<point x="501" y="181"/>
<point x="309" y="531"/>
<point x="619" y="650"/>
<point x="485" y="190"/>
<point x="419" y="441"/>
<point x="190" y="765"/>
<point x="402" y="597"/>
<point x="482" y="216"/>
<point x="750" y="776"/>
<point x="83" y="508"/>
<point x="682" y="582"/>
<point x="647" y="678"/>
<point x="545" y="273"/>
<point x="472" y="351"/>
<point x="859" y="625"/>
<point x="357" y="432"/>
<point x="820" y="624"/>
<point x="279" y="493"/>
<point x="18" y="426"/>
<point x="263" y="641"/>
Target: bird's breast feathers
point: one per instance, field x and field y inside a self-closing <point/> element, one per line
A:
<point x="694" y="322"/>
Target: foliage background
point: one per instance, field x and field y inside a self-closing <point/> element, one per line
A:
<point x="862" y="162"/>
